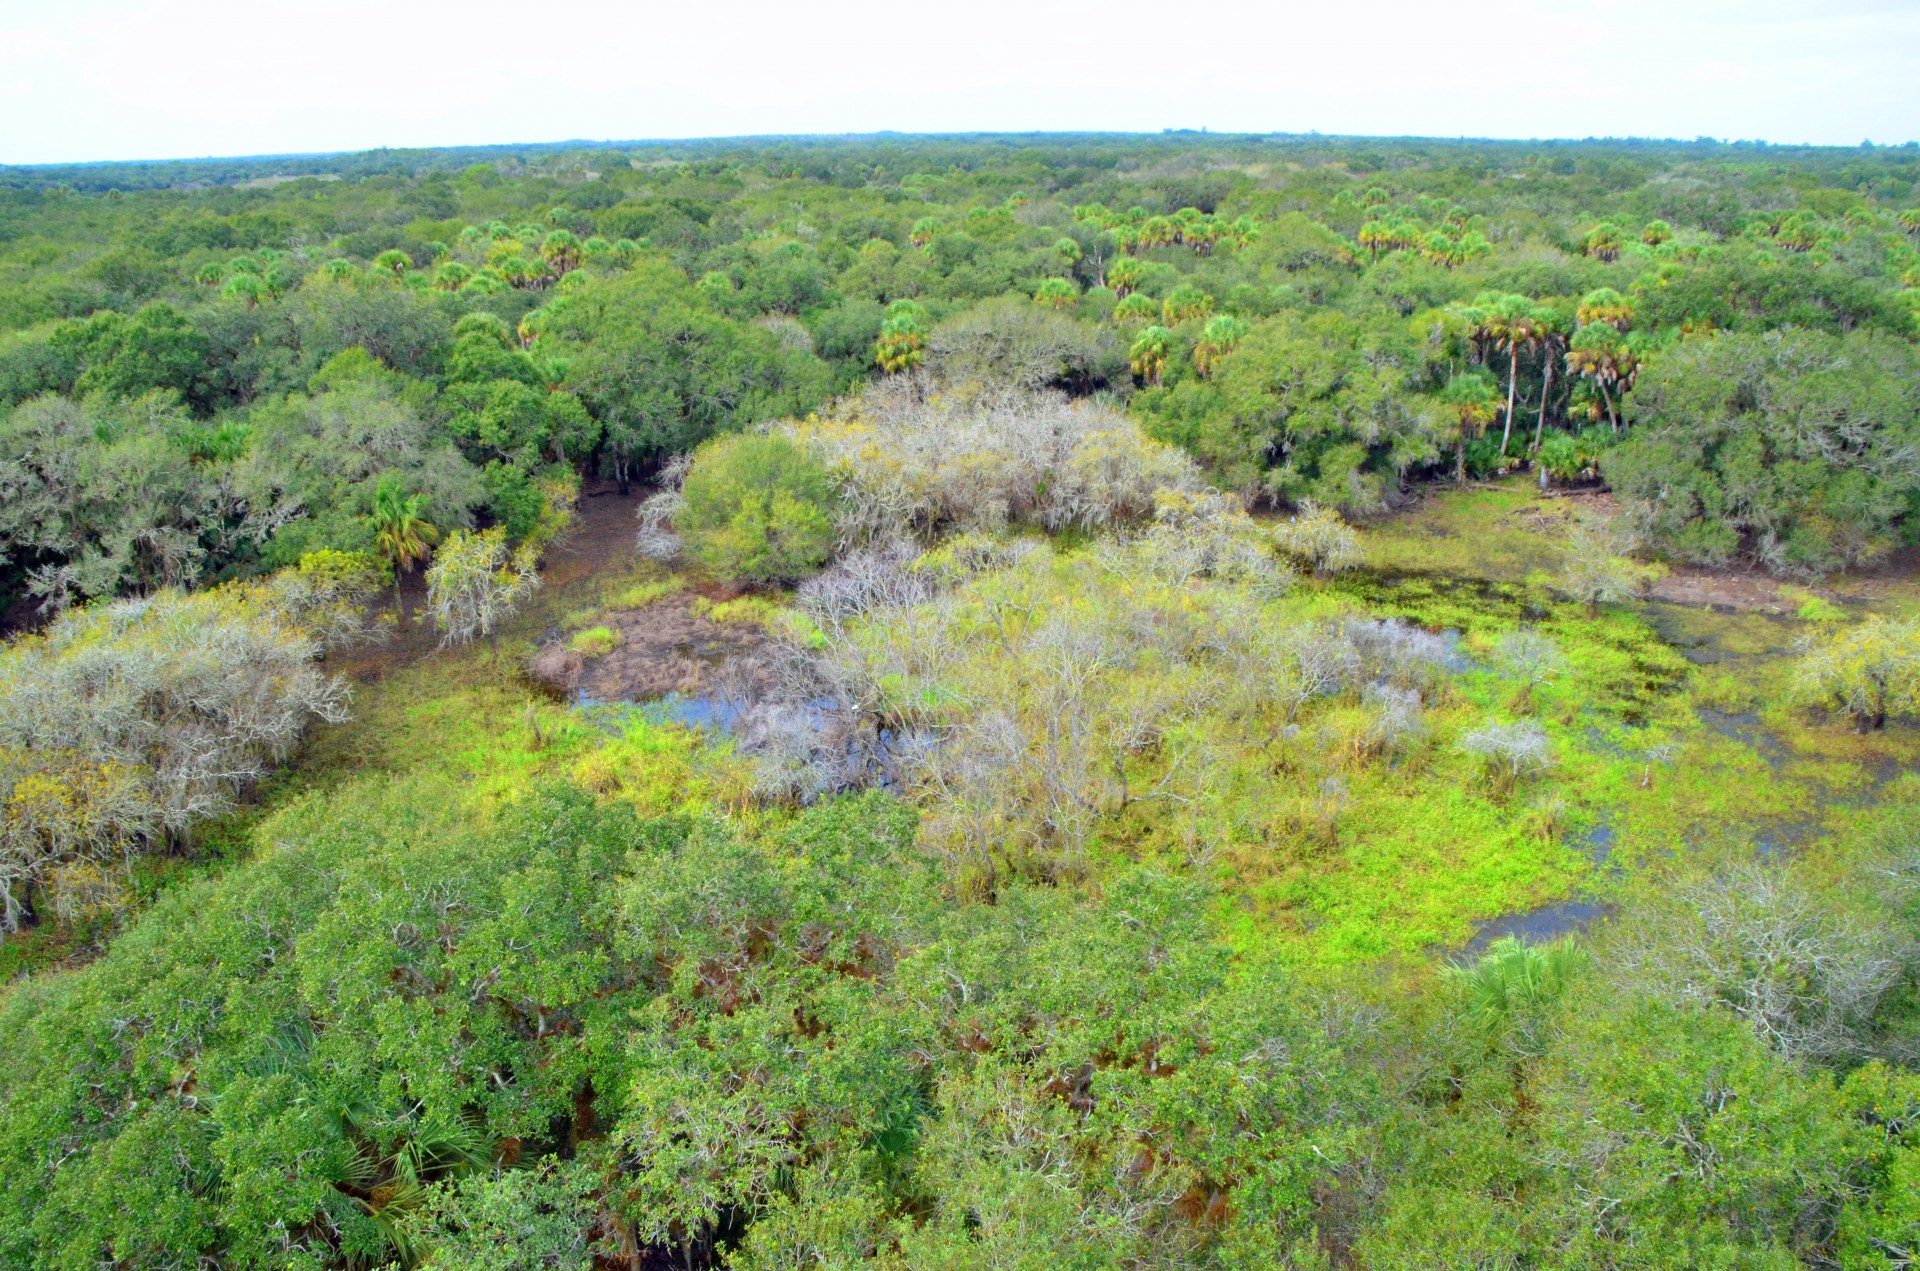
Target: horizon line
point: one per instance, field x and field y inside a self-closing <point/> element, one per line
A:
<point x="896" y="135"/>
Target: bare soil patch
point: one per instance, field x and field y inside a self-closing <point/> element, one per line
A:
<point x="1721" y="590"/>
<point x="664" y="648"/>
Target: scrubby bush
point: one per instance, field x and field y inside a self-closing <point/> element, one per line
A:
<point x="475" y="583"/>
<point x="757" y="507"/>
<point x="1317" y="539"/>
<point x="911" y="464"/>
<point x="1596" y="569"/>
<point x="1869" y="672"/>
<point x="129" y="719"/>
<point x="1511" y="751"/>
<point x="1529" y="657"/>
<point x="1754" y="941"/>
<point x="1009" y="342"/>
<point x="1203" y="534"/>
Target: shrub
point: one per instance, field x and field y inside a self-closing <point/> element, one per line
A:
<point x="1319" y="540"/>
<point x="128" y="719"/>
<point x="911" y="464"/>
<point x="1870" y="671"/>
<point x="476" y="582"/>
<point x="1596" y="570"/>
<point x="1511" y="751"/>
<point x="757" y="507"/>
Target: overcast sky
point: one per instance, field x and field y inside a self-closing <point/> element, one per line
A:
<point x="143" y="79"/>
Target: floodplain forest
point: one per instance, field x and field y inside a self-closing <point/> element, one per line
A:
<point x="1023" y="702"/>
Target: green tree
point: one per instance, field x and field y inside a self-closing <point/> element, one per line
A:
<point x="757" y="507"/>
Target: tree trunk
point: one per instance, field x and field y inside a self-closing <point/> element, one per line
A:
<point x="1460" y="458"/>
<point x="1513" y="375"/>
<point x="1546" y="391"/>
<point x="1613" y="417"/>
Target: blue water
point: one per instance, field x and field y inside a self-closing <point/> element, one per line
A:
<point x="1537" y="926"/>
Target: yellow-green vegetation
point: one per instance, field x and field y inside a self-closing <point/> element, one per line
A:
<point x="759" y="610"/>
<point x="594" y="642"/>
<point x="1097" y="706"/>
<point x="1139" y="838"/>
<point x="641" y="594"/>
<point x="1504" y="532"/>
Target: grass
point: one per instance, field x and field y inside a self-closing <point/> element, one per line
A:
<point x="763" y="611"/>
<point x="641" y="594"/>
<point x="1504" y="533"/>
<point x="594" y="642"/>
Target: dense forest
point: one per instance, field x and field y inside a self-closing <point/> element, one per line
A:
<point x="1027" y="701"/>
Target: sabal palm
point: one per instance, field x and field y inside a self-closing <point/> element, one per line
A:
<point x="1221" y="336"/>
<point x="1506" y="995"/>
<point x="1149" y="354"/>
<point x="1605" y="358"/>
<point x="1514" y="323"/>
<point x="1473" y="400"/>
<point x="401" y="532"/>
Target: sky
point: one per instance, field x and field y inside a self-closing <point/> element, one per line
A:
<point x="149" y="79"/>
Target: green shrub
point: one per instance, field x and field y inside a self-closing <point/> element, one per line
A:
<point x="757" y="508"/>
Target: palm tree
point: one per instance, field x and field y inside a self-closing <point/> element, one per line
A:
<point x="561" y="251"/>
<point x="1506" y="999"/>
<point x="1553" y="339"/>
<point x="1057" y="293"/>
<point x="1599" y="354"/>
<point x="1375" y="235"/>
<point x="1602" y="242"/>
<point x="401" y="532"/>
<point x="1136" y="311"/>
<point x="1186" y="303"/>
<point x="1149" y="354"/>
<point x="1474" y="399"/>
<point x="1910" y="222"/>
<point x="1514" y="323"/>
<point x="452" y="276"/>
<point x="1605" y="305"/>
<point x="903" y="338"/>
<point x="393" y="259"/>
<point x="1508" y="990"/>
<point x="1221" y="336"/>
<point x="1125" y="276"/>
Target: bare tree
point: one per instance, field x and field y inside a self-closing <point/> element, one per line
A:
<point x="1511" y="751"/>
<point x="1754" y="941"/>
<point x="1596" y="570"/>
<point x="1529" y="657"/>
<point x="475" y="583"/>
